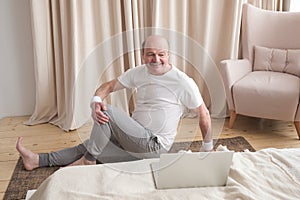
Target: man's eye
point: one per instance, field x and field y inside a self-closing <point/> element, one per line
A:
<point x="153" y="54"/>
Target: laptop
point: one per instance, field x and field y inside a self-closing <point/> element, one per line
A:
<point x="197" y="169"/>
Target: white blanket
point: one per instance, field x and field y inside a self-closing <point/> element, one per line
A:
<point x="265" y="174"/>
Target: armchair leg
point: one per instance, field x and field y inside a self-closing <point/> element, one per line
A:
<point x="232" y="119"/>
<point x="297" y="126"/>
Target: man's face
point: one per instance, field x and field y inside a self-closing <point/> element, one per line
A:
<point x="156" y="55"/>
<point x="156" y="60"/>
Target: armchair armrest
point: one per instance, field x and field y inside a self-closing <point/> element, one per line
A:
<point x="232" y="71"/>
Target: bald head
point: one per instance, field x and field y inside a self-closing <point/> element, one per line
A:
<point x="155" y="41"/>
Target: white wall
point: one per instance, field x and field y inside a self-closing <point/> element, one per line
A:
<point x="17" y="85"/>
<point x="295" y="6"/>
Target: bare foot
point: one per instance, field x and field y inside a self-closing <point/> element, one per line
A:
<point x="83" y="161"/>
<point x="30" y="159"/>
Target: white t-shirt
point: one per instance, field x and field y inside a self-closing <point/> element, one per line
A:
<point x="160" y="100"/>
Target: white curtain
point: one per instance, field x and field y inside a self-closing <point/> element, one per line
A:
<point x="79" y="44"/>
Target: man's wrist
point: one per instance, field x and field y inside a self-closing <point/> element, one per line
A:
<point x="96" y="99"/>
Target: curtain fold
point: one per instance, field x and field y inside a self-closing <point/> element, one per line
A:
<point x="80" y="44"/>
<point x="65" y="34"/>
<point x="275" y="5"/>
<point x="42" y="33"/>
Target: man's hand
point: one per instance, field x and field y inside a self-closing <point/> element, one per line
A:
<point x="96" y="103"/>
<point x="97" y="112"/>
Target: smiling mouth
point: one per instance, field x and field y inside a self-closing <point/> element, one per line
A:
<point x="155" y="64"/>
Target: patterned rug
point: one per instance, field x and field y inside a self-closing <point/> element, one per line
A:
<point x="23" y="180"/>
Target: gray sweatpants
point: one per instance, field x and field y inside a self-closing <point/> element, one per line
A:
<point x="121" y="139"/>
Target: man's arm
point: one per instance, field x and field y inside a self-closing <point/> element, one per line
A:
<point x="108" y="87"/>
<point x="102" y="92"/>
<point x="205" y="127"/>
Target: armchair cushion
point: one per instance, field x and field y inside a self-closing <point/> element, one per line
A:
<point x="277" y="60"/>
<point x="269" y="95"/>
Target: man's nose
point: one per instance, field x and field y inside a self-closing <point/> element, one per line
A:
<point x="156" y="58"/>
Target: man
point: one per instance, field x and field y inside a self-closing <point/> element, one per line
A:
<point x="162" y="92"/>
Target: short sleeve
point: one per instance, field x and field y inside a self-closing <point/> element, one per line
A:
<point x="127" y="79"/>
<point x="191" y="97"/>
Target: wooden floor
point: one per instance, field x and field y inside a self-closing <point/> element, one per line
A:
<point x="46" y="137"/>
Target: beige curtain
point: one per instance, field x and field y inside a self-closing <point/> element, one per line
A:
<point x="79" y="44"/>
<point x="275" y="5"/>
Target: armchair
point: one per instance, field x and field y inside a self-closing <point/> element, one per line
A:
<point x="265" y="82"/>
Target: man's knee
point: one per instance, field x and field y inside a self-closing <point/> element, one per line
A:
<point x="112" y="112"/>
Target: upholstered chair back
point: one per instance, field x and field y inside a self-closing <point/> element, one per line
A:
<point x="279" y="30"/>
